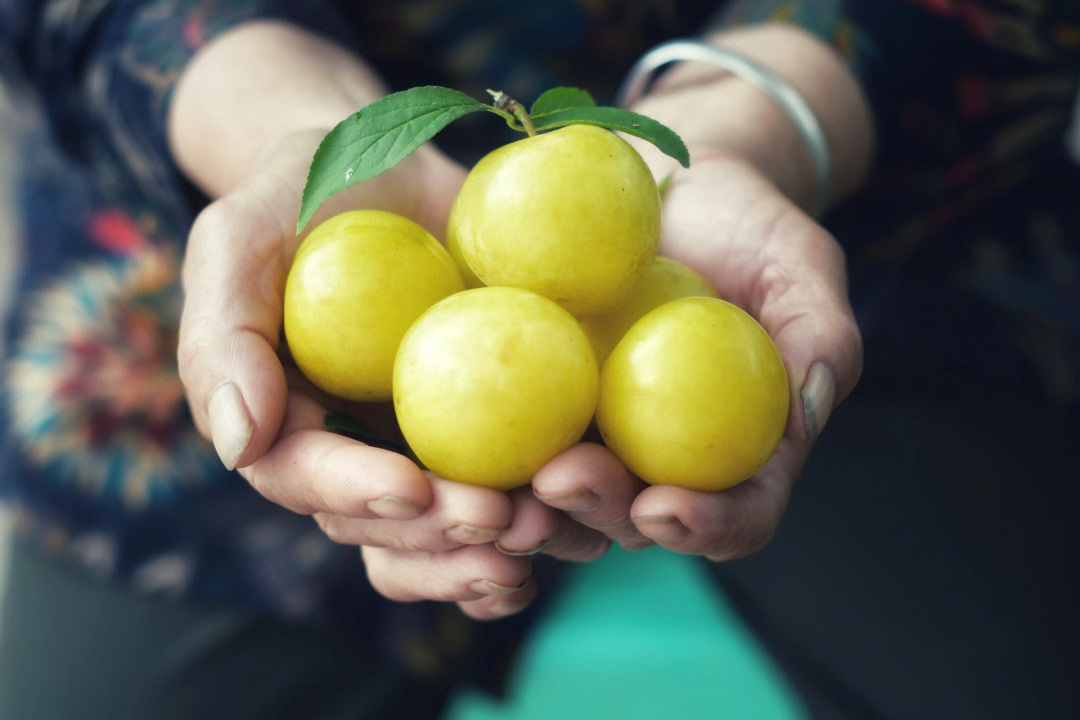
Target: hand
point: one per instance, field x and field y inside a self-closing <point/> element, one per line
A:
<point x="760" y="251"/>
<point x="260" y="413"/>
<point x="735" y="217"/>
<point x="423" y="537"/>
<point x="764" y="254"/>
<point x="258" y="86"/>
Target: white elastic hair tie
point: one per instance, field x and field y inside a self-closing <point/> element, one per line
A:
<point x="787" y="97"/>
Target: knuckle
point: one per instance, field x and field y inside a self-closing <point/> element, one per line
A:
<point x="227" y="238"/>
<point x="425" y="543"/>
<point x="334" y="463"/>
<point x="725" y="517"/>
<point x="724" y="531"/>
<point x="190" y="350"/>
<point x="207" y="230"/>
<point x="609" y="523"/>
<point x="819" y="243"/>
<point x="774" y="282"/>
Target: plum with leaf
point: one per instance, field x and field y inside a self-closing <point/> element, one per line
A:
<point x="571" y="212"/>
<point x="491" y="383"/>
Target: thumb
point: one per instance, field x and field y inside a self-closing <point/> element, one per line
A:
<point x="233" y="277"/>
<point x="805" y="308"/>
<point x="822" y="351"/>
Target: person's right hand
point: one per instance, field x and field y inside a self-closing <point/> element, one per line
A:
<point x="262" y="416"/>
<point x="423" y="537"/>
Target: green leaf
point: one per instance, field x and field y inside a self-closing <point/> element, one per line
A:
<point x="625" y="121"/>
<point x="377" y="137"/>
<point x="560" y="98"/>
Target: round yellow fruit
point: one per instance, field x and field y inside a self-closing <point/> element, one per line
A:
<point x="491" y="383"/>
<point x="695" y="395"/>
<point x="572" y="214"/>
<point x="665" y="281"/>
<point x="356" y="284"/>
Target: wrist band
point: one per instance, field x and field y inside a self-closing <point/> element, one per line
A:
<point x="787" y="97"/>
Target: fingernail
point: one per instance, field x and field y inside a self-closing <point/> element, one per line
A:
<point x="514" y="553"/>
<point x="577" y="501"/>
<point x="394" y="508"/>
<point x="469" y="535"/>
<point x="486" y="587"/>
<point x="662" y="528"/>
<point x="230" y="424"/>
<point x="818" y="392"/>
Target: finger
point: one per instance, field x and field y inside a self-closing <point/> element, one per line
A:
<point x="594" y="488"/>
<point x="309" y="470"/>
<point x="534" y="525"/>
<point x="233" y="276"/>
<point x="575" y="542"/>
<point x="493" y="607"/>
<point x="722" y="525"/>
<point x="540" y="528"/>
<point x="470" y="572"/>
<point x="804" y="307"/>
<point x="459" y="515"/>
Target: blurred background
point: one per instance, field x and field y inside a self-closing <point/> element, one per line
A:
<point x="8" y="268"/>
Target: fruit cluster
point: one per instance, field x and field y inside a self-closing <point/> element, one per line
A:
<point x="547" y="309"/>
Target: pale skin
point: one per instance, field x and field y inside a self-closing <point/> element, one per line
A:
<point x="244" y="123"/>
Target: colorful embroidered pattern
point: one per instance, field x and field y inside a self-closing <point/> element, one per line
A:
<point x="92" y="385"/>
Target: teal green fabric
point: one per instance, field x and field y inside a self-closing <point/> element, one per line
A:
<point x="639" y="635"/>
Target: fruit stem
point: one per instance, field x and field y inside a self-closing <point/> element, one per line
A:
<point x="502" y="101"/>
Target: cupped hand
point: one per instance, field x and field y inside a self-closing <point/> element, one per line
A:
<point x="766" y="255"/>
<point x="423" y="537"/>
<point x="261" y="415"/>
<point x="763" y="253"/>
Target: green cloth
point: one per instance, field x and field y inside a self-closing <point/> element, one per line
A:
<point x="639" y="635"/>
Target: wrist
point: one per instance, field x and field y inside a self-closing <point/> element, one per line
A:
<point x="727" y="119"/>
<point x="253" y="86"/>
<point x="791" y="109"/>
<point x="422" y="187"/>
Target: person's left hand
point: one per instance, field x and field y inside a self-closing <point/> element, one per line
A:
<point x="728" y="221"/>
<point x="761" y="252"/>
